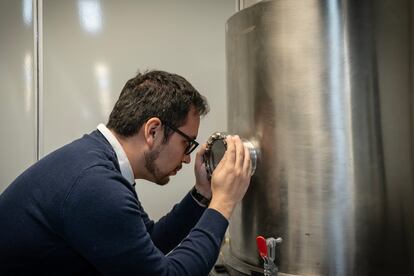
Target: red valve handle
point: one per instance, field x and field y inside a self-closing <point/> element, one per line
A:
<point x="261" y="245"/>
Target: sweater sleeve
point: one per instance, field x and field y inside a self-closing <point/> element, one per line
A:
<point x="172" y="228"/>
<point x="103" y="223"/>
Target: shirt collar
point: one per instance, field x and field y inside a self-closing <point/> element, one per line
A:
<point x="124" y="164"/>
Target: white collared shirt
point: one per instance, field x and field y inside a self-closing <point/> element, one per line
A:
<point x="124" y="165"/>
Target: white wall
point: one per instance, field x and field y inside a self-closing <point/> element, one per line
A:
<point x="92" y="47"/>
<point x="17" y="89"/>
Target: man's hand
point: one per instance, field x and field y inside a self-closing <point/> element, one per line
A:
<point x="202" y="183"/>
<point x="231" y="177"/>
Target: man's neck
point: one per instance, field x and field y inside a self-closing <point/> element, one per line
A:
<point x="133" y="149"/>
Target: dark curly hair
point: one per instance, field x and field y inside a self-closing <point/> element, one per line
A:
<point x="155" y="94"/>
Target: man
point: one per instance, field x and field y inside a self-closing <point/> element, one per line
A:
<point x="76" y="210"/>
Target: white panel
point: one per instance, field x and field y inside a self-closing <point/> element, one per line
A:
<point x="17" y="93"/>
<point x="91" y="48"/>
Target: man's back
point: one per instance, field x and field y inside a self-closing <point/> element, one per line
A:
<point x="32" y="208"/>
<point x="74" y="213"/>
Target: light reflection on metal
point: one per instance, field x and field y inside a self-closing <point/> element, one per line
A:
<point x="27" y="12"/>
<point x="90" y="15"/>
<point x="102" y="75"/>
<point x="341" y="213"/>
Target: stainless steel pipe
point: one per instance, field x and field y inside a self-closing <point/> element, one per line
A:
<point x="326" y="89"/>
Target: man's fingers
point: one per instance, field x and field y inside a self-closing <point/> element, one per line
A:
<point x="239" y="152"/>
<point x="199" y="155"/>
<point x="202" y="149"/>
<point x="247" y="162"/>
<point x="231" y="150"/>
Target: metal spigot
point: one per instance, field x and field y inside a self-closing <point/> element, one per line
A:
<point x="267" y="250"/>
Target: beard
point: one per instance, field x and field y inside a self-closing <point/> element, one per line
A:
<point x="153" y="169"/>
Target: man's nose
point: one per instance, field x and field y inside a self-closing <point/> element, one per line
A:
<point x="186" y="159"/>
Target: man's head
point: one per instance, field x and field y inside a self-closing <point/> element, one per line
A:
<point x="156" y="100"/>
<point x="166" y="96"/>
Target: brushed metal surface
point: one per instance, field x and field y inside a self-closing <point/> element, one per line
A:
<point x="325" y="87"/>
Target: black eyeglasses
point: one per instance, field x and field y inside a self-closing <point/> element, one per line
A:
<point x="192" y="143"/>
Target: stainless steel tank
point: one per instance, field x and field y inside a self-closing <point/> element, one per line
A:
<point x="325" y="88"/>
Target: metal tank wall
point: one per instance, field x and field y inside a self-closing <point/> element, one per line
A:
<point x="325" y="90"/>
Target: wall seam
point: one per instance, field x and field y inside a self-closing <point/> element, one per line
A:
<point x="239" y="5"/>
<point x="38" y="46"/>
<point x="411" y="70"/>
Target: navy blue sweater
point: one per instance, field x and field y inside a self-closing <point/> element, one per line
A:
<point x="74" y="213"/>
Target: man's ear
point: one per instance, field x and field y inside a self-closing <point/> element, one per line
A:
<point x="152" y="130"/>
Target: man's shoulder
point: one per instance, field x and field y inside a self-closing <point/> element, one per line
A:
<point x="86" y="151"/>
<point x="63" y="166"/>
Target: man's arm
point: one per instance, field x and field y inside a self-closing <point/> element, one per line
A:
<point x="172" y="228"/>
<point x="102" y="222"/>
<point x="230" y="181"/>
